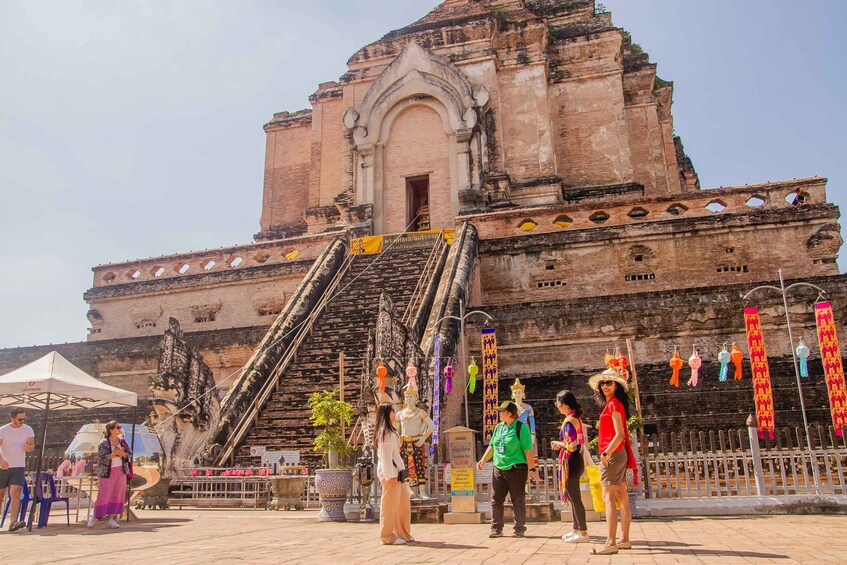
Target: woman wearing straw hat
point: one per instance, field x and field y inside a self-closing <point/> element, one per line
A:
<point x="615" y="455"/>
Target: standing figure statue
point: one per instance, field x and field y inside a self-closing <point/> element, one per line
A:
<point x="525" y="412"/>
<point x="415" y="428"/>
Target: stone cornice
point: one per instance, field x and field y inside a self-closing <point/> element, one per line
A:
<point x="647" y="229"/>
<point x="199" y="280"/>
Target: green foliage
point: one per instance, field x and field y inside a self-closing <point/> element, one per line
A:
<point x="634" y="423"/>
<point x="330" y="413"/>
<point x="600" y="9"/>
<point x="500" y="15"/>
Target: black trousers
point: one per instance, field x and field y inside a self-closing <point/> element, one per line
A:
<point x="575" y="468"/>
<point x="513" y="482"/>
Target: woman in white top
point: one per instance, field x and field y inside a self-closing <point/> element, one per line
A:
<point x="395" y="516"/>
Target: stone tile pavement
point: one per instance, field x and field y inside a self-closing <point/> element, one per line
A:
<point x="256" y="536"/>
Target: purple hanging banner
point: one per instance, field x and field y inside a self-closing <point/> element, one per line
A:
<point x="436" y="397"/>
<point x="490" y="384"/>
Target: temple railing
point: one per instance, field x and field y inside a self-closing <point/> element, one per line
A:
<point x="271" y="385"/>
<point x="424" y="282"/>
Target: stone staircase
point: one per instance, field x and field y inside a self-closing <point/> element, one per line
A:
<point x="343" y="327"/>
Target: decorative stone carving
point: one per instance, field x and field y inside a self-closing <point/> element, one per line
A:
<point x="241" y="395"/>
<point x="418" y="77"/>
<point x="185" y="402"/>
<point x="824" y="242"/>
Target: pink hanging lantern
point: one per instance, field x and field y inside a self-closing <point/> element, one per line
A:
<point x="694" y="362"/>
<point x="448" y="377"/>
<point x="412" y="374"/>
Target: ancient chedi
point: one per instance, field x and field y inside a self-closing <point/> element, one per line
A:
<point x="543" y="133"/>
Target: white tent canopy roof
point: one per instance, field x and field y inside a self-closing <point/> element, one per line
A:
<point x="69" y="387"/>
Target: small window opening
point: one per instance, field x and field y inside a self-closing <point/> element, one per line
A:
<point x="417" y="202"/>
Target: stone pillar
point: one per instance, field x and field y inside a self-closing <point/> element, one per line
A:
<point x="757" y="455"/>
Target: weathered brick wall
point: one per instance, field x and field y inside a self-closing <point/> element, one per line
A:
<point x="525" y="124"/>
<point x="330" y="151"/>
<point x="407" y="155"/>
<point x="129" y="363"/>
<point x="287" y="170"/>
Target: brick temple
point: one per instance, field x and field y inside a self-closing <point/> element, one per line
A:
<point x="543" y="135"/>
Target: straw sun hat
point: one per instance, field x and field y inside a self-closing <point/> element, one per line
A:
<point x="607" y="375"/>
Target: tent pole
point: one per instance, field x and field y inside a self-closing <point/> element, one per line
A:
<point x="132" y="449"/>
<point x="36" y="485"/>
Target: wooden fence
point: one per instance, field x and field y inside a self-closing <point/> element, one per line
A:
<point x="738" y="463"/>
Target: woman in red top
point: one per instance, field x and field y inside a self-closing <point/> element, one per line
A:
<point x="615" y="455"/>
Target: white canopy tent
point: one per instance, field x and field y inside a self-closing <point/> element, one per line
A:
<point x="54" y="383"/>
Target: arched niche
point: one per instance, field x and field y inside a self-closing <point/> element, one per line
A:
<point x="417" y="78"/>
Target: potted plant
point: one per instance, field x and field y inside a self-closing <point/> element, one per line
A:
<point x="333" y="483"/>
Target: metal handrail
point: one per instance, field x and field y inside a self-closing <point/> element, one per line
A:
<point x="271" y="384"/>
<point x="421" y="286"/>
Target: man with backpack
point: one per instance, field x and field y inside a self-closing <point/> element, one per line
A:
<point x="511" y="449"/>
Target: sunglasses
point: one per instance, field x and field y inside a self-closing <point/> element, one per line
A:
<point x="21" y="419"/>
<point x="606" y="383"/>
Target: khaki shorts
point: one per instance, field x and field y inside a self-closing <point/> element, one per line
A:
<point x="615" y="472"/>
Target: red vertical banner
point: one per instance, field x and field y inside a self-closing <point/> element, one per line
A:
<point x="762" y="393"/>
<point x="833" y="367"/>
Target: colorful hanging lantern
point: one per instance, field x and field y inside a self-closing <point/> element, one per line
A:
<point x="472" y="371"/>
<point x="411" y="374"/>
<point x="448" y="377"/>
<point x="622" y="364"/>
<point x="737" y="357"/>
<point x="676" y="364"/>
<point x="723" y="359"/>
<point x="381" y="372"/>
<point x="610" y="361"/>
<point x="803" y="354"/>
<point x="695" y="362"/>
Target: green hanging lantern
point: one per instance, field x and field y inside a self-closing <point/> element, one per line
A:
<point x="472" y="371"/>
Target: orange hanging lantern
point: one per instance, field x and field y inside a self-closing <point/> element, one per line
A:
<point x="622" y="364"/>
<point x="737" y="357"/>
<point x="381" y="372"/>
<point x="676" y="364"/>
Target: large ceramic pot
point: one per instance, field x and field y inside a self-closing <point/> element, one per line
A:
<point x="332" y="486"/>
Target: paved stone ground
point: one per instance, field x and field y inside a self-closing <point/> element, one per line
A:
<point x="227" y="536"/>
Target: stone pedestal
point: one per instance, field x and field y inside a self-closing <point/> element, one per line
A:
<point x="535" y="512"/>
<point x="427" y="511"/>
<point x="463" y="518"/>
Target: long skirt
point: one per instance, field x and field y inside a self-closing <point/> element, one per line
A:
<point x="111" y="494"/>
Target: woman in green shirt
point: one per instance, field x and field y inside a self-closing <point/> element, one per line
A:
<point x="511" y="449"/>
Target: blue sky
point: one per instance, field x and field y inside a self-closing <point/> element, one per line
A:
<point x="134" y="129"/>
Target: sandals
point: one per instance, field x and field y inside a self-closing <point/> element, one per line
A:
<point x="611" y="550"/>
<point x="624" y="544"/>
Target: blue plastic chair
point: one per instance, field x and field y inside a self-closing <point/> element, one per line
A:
<point x="24" y="504"/>
<point x="47" y="502"/>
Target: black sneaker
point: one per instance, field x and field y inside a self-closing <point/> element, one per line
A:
<point x="519" y="533"/>
<point x="495" y="534"/>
